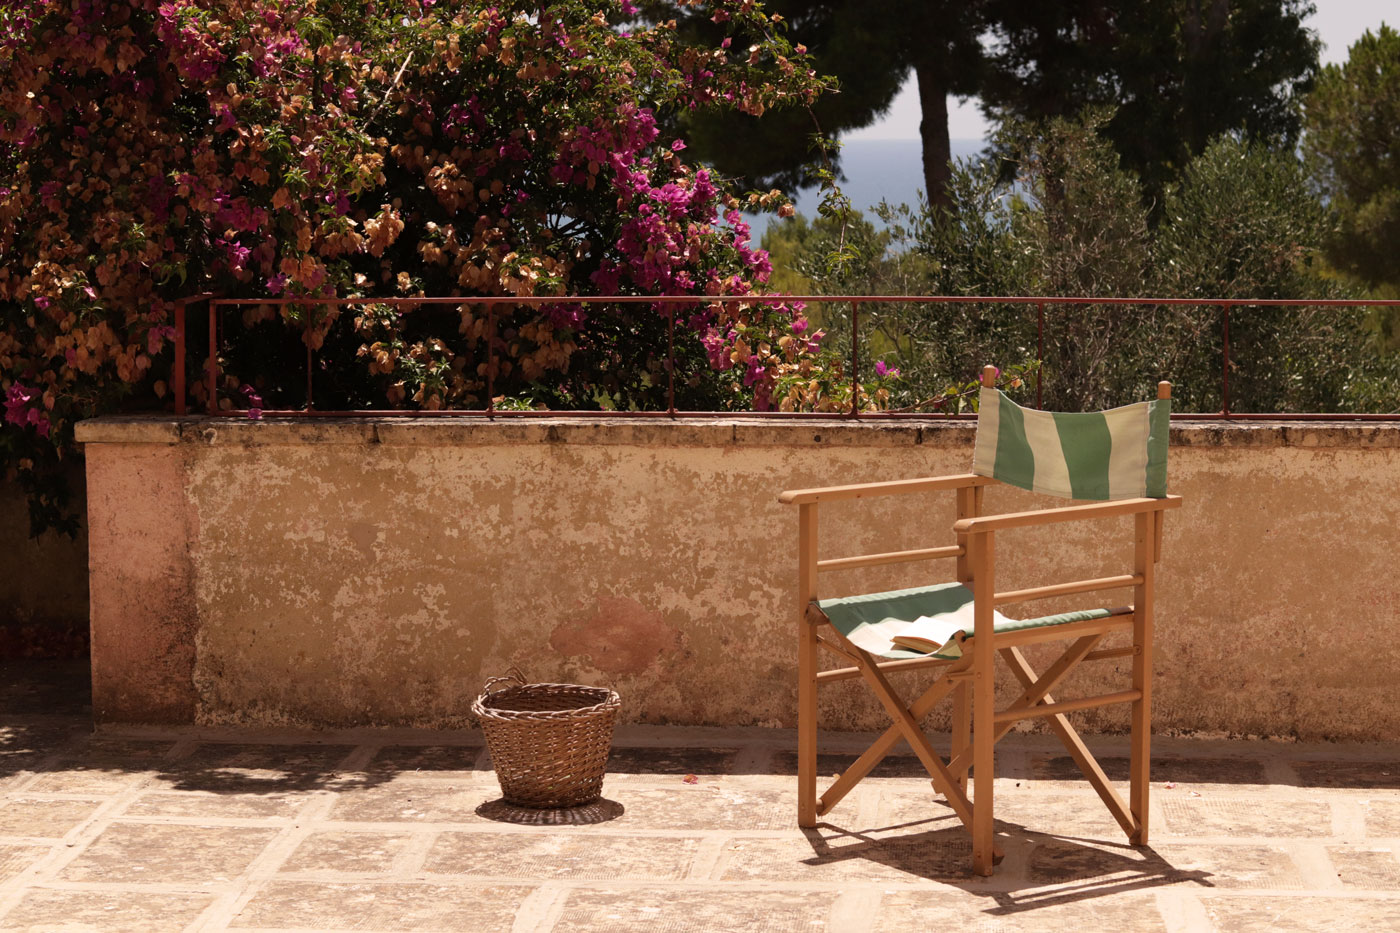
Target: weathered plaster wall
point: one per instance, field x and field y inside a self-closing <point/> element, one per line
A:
<point x="142" y="534"/>
<point x="355" y="572"/>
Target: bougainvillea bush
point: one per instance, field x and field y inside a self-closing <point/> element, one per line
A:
<point x="289" y="148"/>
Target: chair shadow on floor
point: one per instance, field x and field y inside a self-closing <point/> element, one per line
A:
<point x="1040" y="870"/>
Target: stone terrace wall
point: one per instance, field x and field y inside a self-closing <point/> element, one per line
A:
<point x="343" y="572"/>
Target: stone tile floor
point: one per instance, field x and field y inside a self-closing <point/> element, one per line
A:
<point x="189" y="829"/>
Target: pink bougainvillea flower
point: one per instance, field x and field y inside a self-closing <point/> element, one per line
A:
<point x="16" y="401"/>
<point x="19" y="412"/>
<point x="156" y="336"/>
<point x="882" y="370"/>
<point x="284" y="174"/>
<point x="255" y="402"/>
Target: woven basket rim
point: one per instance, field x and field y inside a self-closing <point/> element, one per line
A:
<point x="605" y="698"/>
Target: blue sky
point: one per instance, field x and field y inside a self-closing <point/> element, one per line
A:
<point x="1338" y="23"/>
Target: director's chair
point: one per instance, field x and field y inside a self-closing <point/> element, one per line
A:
<point x="1118" y="457"/>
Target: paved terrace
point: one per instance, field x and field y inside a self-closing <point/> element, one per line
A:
<point x="390" y="830"/>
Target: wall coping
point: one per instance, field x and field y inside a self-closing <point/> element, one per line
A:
<point x="468" y="431"/>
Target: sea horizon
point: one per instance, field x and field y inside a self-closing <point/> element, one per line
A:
<point x="874" y="170"/>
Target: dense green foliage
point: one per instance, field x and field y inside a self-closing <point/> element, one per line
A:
<point x="1178" y="72"/>
<point x="1353" y="148"/>
<point x="870" y="47"/>
<point x="1241" y="223"/>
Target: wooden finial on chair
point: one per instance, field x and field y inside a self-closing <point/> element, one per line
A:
<point x="1164" y="389"/>
<point x="989" y="376"/>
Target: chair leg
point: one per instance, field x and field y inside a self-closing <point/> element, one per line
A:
<point x="807" y="726"/>
<point x="983" y="765"/>
<point x="962" y="728"/>
<point x="1140" y="754"/>
<point x="1144" y="561"/>
<point x="1141" y="764"/>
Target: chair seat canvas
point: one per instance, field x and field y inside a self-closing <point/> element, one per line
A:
<point x="871" y="620"/>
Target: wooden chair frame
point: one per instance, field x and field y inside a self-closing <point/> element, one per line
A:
<point x="971" y="679"/>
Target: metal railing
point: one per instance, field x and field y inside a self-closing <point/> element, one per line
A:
<point x="217" y="304"/>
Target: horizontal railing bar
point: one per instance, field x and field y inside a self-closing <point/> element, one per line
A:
<point x="490" y="302"/>
<point x="969" y="417"/>
<point x="300" y="413"/>
<point x="1040" y="710"/>
<point x="1285" y="416"/>
<point x="890" y="557"/>
<point x="1066" y="589"/>
<point x="784" y="299"/>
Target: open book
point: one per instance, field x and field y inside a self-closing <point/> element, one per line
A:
<point x="930" y="634"/>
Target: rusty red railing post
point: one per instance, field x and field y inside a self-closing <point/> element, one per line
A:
<point x="213" y="365"/>
<point x="1040" y="350"/>
<point x="855" y="359"/>
<point x="491" y="360"/>
<point x="671" y="362"/>
<point x="177" y="378"/>
<point x="1225" y="362"/>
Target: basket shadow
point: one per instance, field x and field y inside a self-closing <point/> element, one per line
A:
<point x="599" y="811"/>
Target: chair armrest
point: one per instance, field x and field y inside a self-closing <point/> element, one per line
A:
<point x="889" y="488"/>
<point x="1069" y="513"/>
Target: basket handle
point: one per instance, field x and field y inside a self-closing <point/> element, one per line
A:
<point x="512" y="674"/>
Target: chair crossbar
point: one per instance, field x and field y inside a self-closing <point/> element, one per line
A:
<point x="1063" y="631"/>
<point x="1067" y="706"/>
<point x="906" y="664"/>
<point x="1103" y="654"/>
<point x="838" y="650"/>
<point x="890" y="557"/>
<point x="1066" y="589"/>
<point x="890" y="487"/>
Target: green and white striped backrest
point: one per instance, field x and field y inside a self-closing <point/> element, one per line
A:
<point x="1115" y="454"/>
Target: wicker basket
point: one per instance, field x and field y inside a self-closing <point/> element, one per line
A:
<point x="549" y="742"/>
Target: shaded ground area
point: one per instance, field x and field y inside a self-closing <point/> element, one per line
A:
<point x="151" y="830"/>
